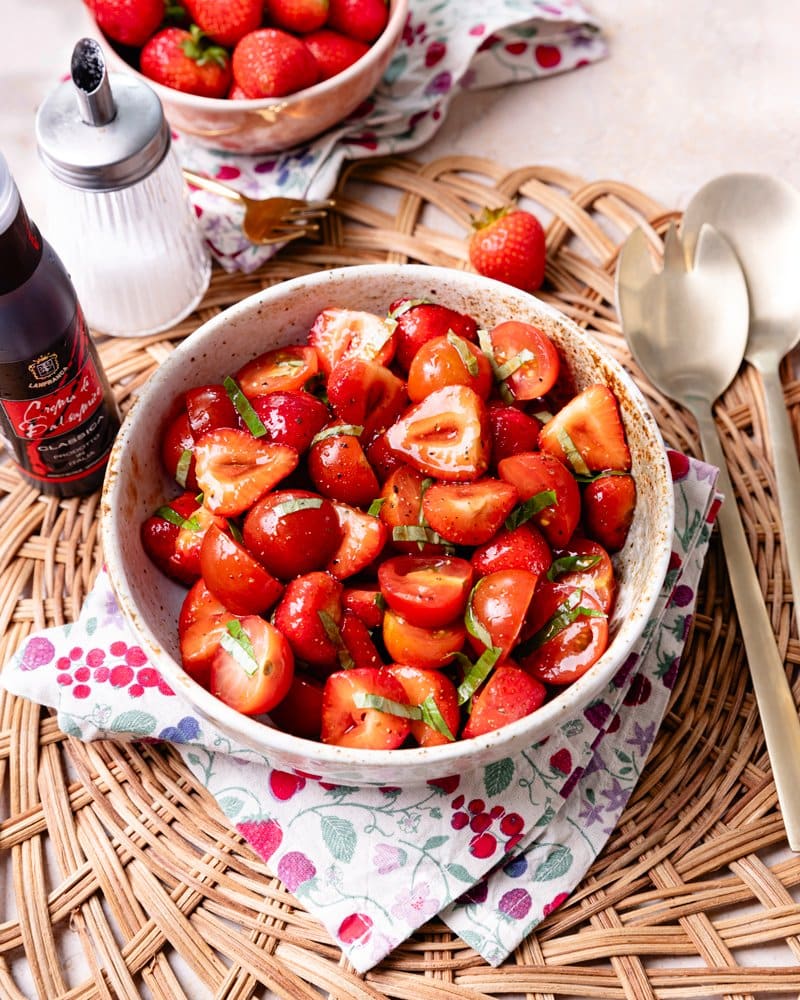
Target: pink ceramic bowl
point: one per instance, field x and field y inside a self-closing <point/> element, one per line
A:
<point x="136" y="484"/>
<point x="272" y="124"/>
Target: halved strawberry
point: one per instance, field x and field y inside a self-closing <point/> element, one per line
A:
<point x="367" y="394"/>
<point x="346" y="723"/>
<point x="339" y="468"/>
<point x="363" y="540"/>
<point x="587" y="434"/>
<point x="523" y="547"/>
<point x="430" y="685"/>
<point x="209" y="407"/>
<point x="284" y="369"/>
<point x="356" y="637"/>
<point x="469" y="513"/>
<point x="291" y="417"/>
<point x="177" y="451"/>
<point x="419" y="321"/>
<point x="509" y="694"/>
<point x="366" y="602"/>
<point x="234" y="469"/>
<point x="201" y="624"/>
<point x="608" y="507"/>
<point x="338" y="334"/>
<point x="548" y="493"/>
<point x="446" y="435"/>
<point x="310" y="616"/>
<point x="512" y="430"/>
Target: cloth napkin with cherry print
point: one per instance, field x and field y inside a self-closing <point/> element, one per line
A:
<point x="447" y="46"/>
<point x="492" y="851"/>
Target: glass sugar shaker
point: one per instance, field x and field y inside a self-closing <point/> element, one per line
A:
<point x="119" y="213"/>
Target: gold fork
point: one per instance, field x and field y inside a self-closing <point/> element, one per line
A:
<point x="268" y="220"/>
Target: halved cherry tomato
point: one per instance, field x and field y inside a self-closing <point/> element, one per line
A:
<point x="338" y="334"/>
<point x="300" y="711"/>
<point x="346" y="724"/>
<point x="292" y="532"/>
<point x="469" y="513"/>
<point x="513" y="430"/>
<point x="569" y="633"/>
<point x="609" y="504"/>
<point x="209" y="407"/>
<point x="311" y="607"/>
<point x="498" y="606"/>
<point x="339" y="468"/>
<point x="365" y="602"/>
<point x="363" y="539"/>
<point x="234" y="469"/>
<point x="283" y="369"/>
<point x="428" y="591"/>
<point x="177" y="451"/>
<point x="402" y="509"/>
<point x="366" y="394"/>
<point x="291" y="417"/>
<point x="253" y="668"/>
<point x="585" y="564"/>
<point x="420" y="685"/>
<point x="509" y="694"/>
<point x="446" y="435"/>
<point x="160" y="534"/>
<point x="421" y="647"/>
<point x="513" y="341"/>
<point x="419" y="321"/>
<point x="234" y="576"/>
<point x="534" y="472"/>
<point x="448" y="360"/>
<point x="201" y="624"/>
<point x="523" y="547"/>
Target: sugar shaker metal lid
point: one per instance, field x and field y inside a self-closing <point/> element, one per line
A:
<point x="98" y="137"/>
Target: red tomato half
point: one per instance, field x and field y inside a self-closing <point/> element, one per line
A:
<point x="234" y="576"/>
<point x="586" y="564"/>
<point x="569" y="633"/>
<point x="419" y="685"/>
<point x="428" y="591"/>
<point x="201" y="624"/>
<point x="283" y="369"/>
<point x="498" y="605"/>
<point x="516" y="340"/>
<point x="421" y="647"/>
<point x="253" y="668"/>
<point x="445" y="361"/>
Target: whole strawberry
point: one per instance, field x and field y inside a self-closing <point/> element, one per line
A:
<point x="333" y="51"/>
<point x="361" y="19"/>
<point x="130" y="22"/>
<point x="184" y="61"/>
<point x="298" y="16"/>
<point x="508" y="244"/>
<point x="226" y="21"/>
<point x="273" y="63"/>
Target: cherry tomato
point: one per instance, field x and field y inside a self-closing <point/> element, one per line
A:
<point x="497" y="607"/>
<point x="366" y="394"/>
<point x="523" y="547"/>
<point x="209" y="407"/>
<point x="234" y="576"/>
<point x="345" y="723"/>
<point x="446" y="435"/>
<point x="291" y="417"/>
<point x="310" y="609"/>
<point x="569" y="633"/>
<point x="363" y="540"/>
<point x="173" y="535"/>
<point x="300" y="711"/>
<point x="253" y="668"/>
<point x="514" y="340"/>
<point x="448" y="360"/>
<point x="428" y="591"/>
<point x="292" y="532"/>
<point x="586" y="564"/>
<point x="283" y="369"/>
<point x="402" y="509"/>
<point x="468" y="513"/>
<point x="534" y="472"/>
<point x="419" y="321"/>
<point x="340" y="334"/>
<point x="509" y="694"/>
<point x="420" y="685"/>
<point x="340" y="470"/>
<point x="421" y="647"/>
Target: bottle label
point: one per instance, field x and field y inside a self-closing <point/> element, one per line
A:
<point x="58" y="423"/>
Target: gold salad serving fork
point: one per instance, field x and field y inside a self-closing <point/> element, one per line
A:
<point x="268" y="220"/>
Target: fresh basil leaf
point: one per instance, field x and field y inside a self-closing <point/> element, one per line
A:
<point x="243" y="407"/>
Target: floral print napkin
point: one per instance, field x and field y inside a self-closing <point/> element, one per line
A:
<point x="447" y="46"/>
<point x="492" y="851"/>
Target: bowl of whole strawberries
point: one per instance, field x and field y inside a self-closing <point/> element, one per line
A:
<point x="383" y="523"/>
<point x="254" y="76"/>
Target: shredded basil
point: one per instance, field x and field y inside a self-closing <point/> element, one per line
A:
<point x="374" y="508"/>
<point x="507" y="368"/>
<point x="243" y="407"/>
<point x="347" y="430"/>
<point x="574" y="457"/>
<point x="468" y="359"/>
<point x="571" y="564"/>
<point x="565" y="614"/>
<point x="295" y="504"/>
<point x="182" y="468"/>
<point x="184" y="523"/>
<point x="404" y="307"/>
<point x="475" y="628"/>
<point x="533" y="505"/>
<point x="427" y="712"/>
<point x="477" y="673"/>
<point x="236" y="642"/>
<point x="346" y="661"/>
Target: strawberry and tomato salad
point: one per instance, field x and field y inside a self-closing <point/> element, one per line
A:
<point x="397" y="533"/>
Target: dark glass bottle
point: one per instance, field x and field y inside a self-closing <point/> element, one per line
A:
<point x="58" y="416"/>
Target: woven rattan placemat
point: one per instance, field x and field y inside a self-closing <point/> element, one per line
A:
<point x="122" y="874"/>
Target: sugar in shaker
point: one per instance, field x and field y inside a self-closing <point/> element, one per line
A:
<point x="119" y="213"/>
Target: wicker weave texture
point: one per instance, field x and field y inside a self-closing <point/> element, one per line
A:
<point x="124" y="879"/>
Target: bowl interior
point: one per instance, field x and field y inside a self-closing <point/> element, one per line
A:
<point x="136" y="485"/>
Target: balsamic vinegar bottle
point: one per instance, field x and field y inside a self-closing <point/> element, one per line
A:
<point x="58" y="416"/>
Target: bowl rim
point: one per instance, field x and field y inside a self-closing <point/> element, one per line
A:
<point x="382" y="45"/>
<point x="523" y="732"/>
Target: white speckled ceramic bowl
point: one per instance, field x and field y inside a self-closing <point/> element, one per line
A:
<point x="271" y="124"/>
<point x="135" y="485"/>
